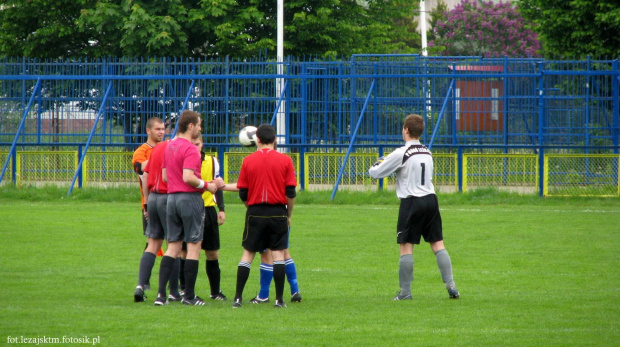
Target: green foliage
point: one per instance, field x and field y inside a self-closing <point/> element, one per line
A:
<point x="235" y="28"/>
<point x="523" y="277"/>
<point x="136" y="28"/>
<point x="42" y="28"/>
<point x="438" y="14"/>
<point x="577" y="28"/>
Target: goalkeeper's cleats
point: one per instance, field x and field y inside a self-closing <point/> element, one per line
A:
<point x="400" y="296"/>
<point x="237" y="303"/>
<point x="453" y="293"/>
<point x="279" y="304"/>
<point x="138" y="294"/>
<point x="296" y="297"/>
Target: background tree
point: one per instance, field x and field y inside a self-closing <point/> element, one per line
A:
<point x="437" y="14"/>
<point x="325" y="28"/>
<point x="42" y="29"/>
<point x="576" y="28"/>
<point x="194" y="28"/>
<point x="483" y="28"/>
<point x="134" y="28"/>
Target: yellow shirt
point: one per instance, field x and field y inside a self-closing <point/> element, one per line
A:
<point x="208" y="172"/>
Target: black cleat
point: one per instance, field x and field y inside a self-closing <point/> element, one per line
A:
<point x="258" y="300"/>
<point x="138" y="294"/>
<point x="160" y="301"/>
<point x="237" y="303"/>
<point x="173" y="298"/>
<point x="296" y="297"/>
<point x="279" y="304"/>
<point x="196" y="301"/>
<point x="219" y="296"/>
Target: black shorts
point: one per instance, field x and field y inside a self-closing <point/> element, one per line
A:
<point x="266" y="226"/>
<point x="156" y="227"/>
<point x="419" y="217"/>
<point x="211" y="237"/>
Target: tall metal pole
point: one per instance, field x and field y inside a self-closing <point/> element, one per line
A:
<point x="281" y="118"/>
<point x="427" y="92"/>
<point x="423" y="26"/>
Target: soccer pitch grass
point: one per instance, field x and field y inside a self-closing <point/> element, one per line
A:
<point x="539" y="273"/>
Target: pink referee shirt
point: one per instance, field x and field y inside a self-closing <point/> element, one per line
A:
<point x="181" y="154"/>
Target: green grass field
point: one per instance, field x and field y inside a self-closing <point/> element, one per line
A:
<point x="531" y="272"/>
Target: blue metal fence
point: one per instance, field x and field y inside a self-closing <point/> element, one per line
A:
<point x="469" y="103"/>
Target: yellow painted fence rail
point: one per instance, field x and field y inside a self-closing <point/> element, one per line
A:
<point x="563" y="174"/>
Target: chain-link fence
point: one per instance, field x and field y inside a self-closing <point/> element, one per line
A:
<point x="513" y="172"/>
<point x="581" y="175"/>
<point x="322" y="171"/>
<point x="8" y="176"/>
<point x="562" y="174"/>
<point x="46" y="167"/>
<point x="108" y="169"/>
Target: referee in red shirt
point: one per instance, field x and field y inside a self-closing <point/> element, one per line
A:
<point x="267" y="187"/>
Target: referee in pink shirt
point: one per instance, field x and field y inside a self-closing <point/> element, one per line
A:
<point x="184" y="211"/>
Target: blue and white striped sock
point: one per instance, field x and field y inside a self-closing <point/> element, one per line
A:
<point x="266" y="275"/>
<point x="291" y="275"/>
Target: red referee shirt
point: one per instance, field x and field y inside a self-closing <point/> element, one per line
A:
<point x="266" y="173"/>
<point x="153" y="168"/>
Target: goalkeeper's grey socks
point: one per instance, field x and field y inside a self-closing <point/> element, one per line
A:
<point x="146" y="265"/>
<point x="405" y="273"/>
<point x="445" y="267"/>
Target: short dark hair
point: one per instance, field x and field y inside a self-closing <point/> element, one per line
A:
<point x="188" y="117"/>
<point x="152" y="121"/>
<point x="415" y="124"/>
<point x="266" y="133"/>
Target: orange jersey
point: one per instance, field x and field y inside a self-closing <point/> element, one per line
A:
<point x="142" y="154"/>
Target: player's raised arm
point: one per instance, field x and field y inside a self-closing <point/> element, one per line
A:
<point x="384" y="166"/>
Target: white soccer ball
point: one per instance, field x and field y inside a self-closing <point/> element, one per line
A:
<point x="247" y="136"/>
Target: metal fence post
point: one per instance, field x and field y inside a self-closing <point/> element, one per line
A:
<point x="616" y="107"/>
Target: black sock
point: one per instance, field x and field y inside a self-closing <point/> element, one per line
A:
<point x="279" y="274"/>
<point x="174" y="277"/>
<point x="146" y="265"/>
<point x="191" y="272"/>
<point x="165" y="268"/>
<point x="182" y="274"/>
<point x="243" y="272"/>
<point x="214" y="275"/>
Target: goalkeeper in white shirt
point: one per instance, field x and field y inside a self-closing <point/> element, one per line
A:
<point x="418" y="215"/>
